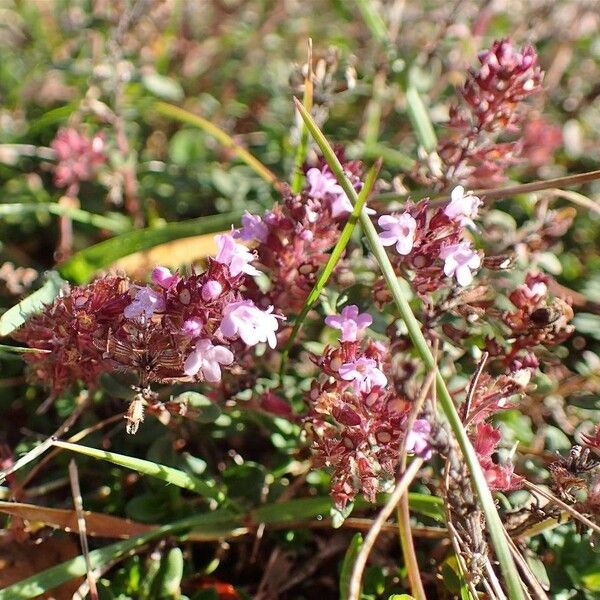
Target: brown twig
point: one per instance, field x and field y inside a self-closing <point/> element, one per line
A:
<point x="495" y="194"/>
<point x="370" y="539"/>
<point x="569" y="509"/>
<point x="403" y="512"/>
<point x="78" y="504"/>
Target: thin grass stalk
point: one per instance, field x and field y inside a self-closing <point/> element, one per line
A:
<point x="382" y="517"/>
<point x="334" y="258"/>
<point x="307" y="101"/>
<point x="184" y="116"/>
<point x="495" y="527"/>
<point x="402" y="510"/>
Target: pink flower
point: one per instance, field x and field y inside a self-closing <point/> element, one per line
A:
<point x="323" y="183"/>
<point x="211" y="289"/>
<point x="253" y="228"/>
<point x="364" y="374"/>
<point x="399" y="230"/>
<point x="247" y="321"/>
<point x="207" y="359"/>
<point x="350" y="322"/>
<point x="459" y="260"/>
<point x="236" y="256"/>
<point x="417" y="439"/>
<point x="193" y="327"/>
<point x="462" y="207"/>
<point x="145" y="303"/>
<point x="163" y="277"/>
<point x="78" y="156"/>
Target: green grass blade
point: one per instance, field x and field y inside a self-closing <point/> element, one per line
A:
<point x="334" y="258"/>
<point x="373" y="20"/>
<point x="14" y="317"/>
<point x="82" y="266"/>
<point x="219" y="523"/>
<point x="348" y="564"/>
<point x="168" y="474"/>
<point x="184" y="116"/>
<point x="293" y="510"/>
<point x="419" y="117"/>
<point x="302" y="149"/>
<point x="495" y="527"/>
<point x="20" y="350"/>
<point x="116" y="223"/>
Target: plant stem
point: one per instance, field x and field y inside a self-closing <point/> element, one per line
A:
<point x="495" y="527"/>
<point x="307" y="101"/>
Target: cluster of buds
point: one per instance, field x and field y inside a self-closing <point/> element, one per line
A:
<point x="178" y="328"/>
<point x="537" y="319"/>
<point x="78" y="158"/>
<point x="576" y="477"/>
<point x="356" y="421"/>
<point x="432" y="244"/>
<point x="293" y="239"/>
<point x="493" y="95"/>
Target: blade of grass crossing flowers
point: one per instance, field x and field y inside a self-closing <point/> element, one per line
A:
<point x="495" y="527"/>
<point x="168" y="474"/>
<point x="307" y="101"/>
<point x="334" y="258"/>
<point x="184" y="116"/>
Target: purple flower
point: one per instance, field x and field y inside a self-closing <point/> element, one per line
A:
<point x="417" y="439"/>
<point x="253" y="228"/>
<point x="459" y="260"/>
<point x="350" y="323"/>
<point x="247" y="321"/>
<point x="145" y="303"/>
<point x="399" y="230"/>
<point x="211" y="289"/>
<point x="236" y="256"/>
<point x="193" y="327"/>
<point x="364" y="374"/>
<point x="163" y="277"/>
<point x="207" y="359"/>
<point x="462" y="207"/>
<point x="323" y="183"/>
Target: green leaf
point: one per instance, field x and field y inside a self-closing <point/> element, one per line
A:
<point x="168" y="581"/>
<point x="83" y="265"/>
<point x="348" y="564"/>
<point x="14" y="317"/>
<point x="218" y="523"/>
<point x="163" y="87"/>
<point x="293" y="510"/>
<point x="419" y="117"/>
<point x="205" y="411"/>
<point x="429" y="506"/>
<point x="494" y="523"/>
<point x="168" y="474"/>
<point x="587" y="324"/>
